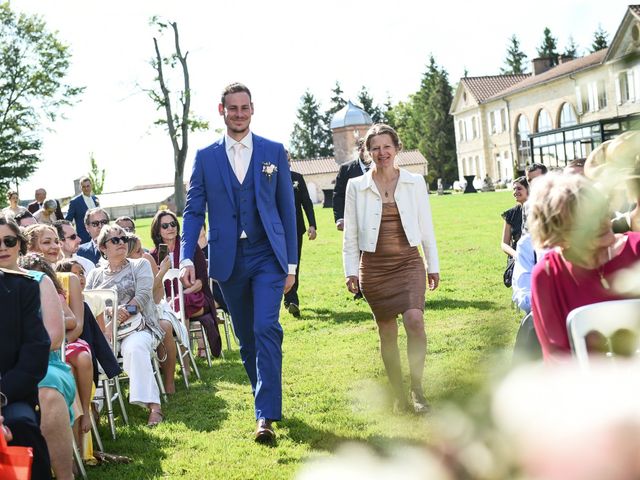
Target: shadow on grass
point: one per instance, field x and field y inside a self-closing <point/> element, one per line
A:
<point x="448" y="303"/>
<point x="326" y="315"/>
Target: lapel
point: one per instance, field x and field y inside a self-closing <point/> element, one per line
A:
<point x="222" y="162"/>
<point x="256" y="159"/>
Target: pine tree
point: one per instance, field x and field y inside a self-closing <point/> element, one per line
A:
<point x="571" y="50"/>
<point x="366" y="102"/>
<point x="307" y="132"/>
<point x="336" y="103"/>
<point x="549" y="47"/>
<point x="600" y="40"/>
<point x="515" y="61"/>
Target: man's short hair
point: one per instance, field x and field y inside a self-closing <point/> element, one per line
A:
<point x="234" y="88"/>
<point x="22" y="215"/>
<point x="84" y="179"/>
<point x="59" y="227"/>
<point x="93" y="211"/>
<point x="537" y="166"/>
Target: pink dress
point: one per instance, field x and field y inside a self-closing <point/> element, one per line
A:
<point x="557" y="287"/>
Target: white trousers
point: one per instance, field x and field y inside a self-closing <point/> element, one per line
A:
<point x="136" y="350"/>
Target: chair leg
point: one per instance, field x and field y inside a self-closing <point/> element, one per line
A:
<point x="207" y="347"/>
<point x="78" y="460"/>
<point x="125" y="417"/>
<point x="156" y="371"/>
<point x="108" y="397"/>
<point x="181" y="352"/>
<point x="94" y="429"/>
<point x="227" y="335"/>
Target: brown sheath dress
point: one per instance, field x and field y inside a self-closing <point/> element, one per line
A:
<point x="393" y="278"/>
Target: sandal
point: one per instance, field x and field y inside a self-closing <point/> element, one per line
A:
<point x="159" y="414"/>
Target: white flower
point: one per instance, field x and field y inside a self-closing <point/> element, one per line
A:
<point x="269" y="169"/>
<point x="295" y="183"/>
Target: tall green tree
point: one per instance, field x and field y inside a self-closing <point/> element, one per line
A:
<point x="96" y="175"/>
<point x="571" y="50"/>
<point x="178" y="119"/>
<point x="366" y="102"/>
<point x="307" y="132"/>
<point x="600" y="39"/>
<point x="33" y="66"/>
<point x="515" y="59"/>
<point x="549" y="47"/>
<point x="336" y="103"/>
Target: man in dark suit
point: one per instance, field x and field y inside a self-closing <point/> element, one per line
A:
<point x="244" y="181"/>
<point x="347" y="170"/>
<point x="302" y="202"/>
<point x="24" y="355"/>
<point x="78" y="207"/>
<point x="94" y="220"/>
<point x="41" y="196"/>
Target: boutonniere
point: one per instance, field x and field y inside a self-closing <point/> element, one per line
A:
<point x="295" y="183"/>
<point x="269" y="169"/>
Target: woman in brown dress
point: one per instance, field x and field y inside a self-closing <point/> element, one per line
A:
<point x="387" y="215"/>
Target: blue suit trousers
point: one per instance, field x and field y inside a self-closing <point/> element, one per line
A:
<point x="253" y="293"/>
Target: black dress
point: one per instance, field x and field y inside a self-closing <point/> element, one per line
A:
<point x="513" y="217"/>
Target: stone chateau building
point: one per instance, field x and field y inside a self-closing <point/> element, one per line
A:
<point x="552" y="115"/>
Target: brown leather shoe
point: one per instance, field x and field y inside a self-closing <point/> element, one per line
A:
<point x="264" y="432"/>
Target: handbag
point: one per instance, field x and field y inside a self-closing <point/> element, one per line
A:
<point x="508" y="273"/>
<point x="15" y="462"/>
<point x="135" y="323"/>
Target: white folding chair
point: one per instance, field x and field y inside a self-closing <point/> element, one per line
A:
<point x="105" y="301"/>
<point x="604" y="317"/>
<point x="227" y="323"/>
<point x="175" y="300"/>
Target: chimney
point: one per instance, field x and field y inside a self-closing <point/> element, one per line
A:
<point x="565" y="58"/>
<point x="540" y="65"/>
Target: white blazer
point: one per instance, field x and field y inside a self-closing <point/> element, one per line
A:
<point x="363" y="213"/>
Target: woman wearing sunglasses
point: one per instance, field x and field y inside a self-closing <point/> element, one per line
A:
<point x="198" y="299"/>
<point x="133" y="279"/>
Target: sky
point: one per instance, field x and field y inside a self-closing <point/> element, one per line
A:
<point x="278" y="49"/>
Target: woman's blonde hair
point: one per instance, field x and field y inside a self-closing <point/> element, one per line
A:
<point x="33" y="234"/>
<point x="565" y="210"/>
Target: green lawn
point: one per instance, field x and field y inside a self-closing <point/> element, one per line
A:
<point x="334" y="382"/>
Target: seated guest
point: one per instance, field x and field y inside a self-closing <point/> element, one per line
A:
<point x="571" y="217"/>
<point x="41" y="196"/>
<point x="198" y="299"/>
<point x="133" y="279"/>
<point x="127" y="224"/>
<point x="25" y="219"/>
<point x="70" y="242"/>
<point x="512" y="228"/>
<point x="13" y="209"/>
<point x="24" y="350"/>
<point x="94" y="220"/>
<point x="47" y="214"/>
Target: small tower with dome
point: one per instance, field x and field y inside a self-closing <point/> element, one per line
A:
<point x="348" y="125"/>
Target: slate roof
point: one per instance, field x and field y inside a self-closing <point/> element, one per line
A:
<point x="315" y="166"/>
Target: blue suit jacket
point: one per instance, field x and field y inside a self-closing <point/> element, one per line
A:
<point x="77" y="209"/>
<point x="89" y="251"/>
<point x="210" y="185"/>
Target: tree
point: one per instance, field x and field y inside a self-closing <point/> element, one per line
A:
<point x="600" y="39"/>
<point x="336" y="103"/>
<point x="178" y="119"/>
<point x="96" y="175"/>
<point x="308" y="130"/>
<point x="515" y="61"/>
<point x="549" y="47"/>
<point x="571" y="50"/>
<point x="33" y="67"/>
<point x="366" y="102"/>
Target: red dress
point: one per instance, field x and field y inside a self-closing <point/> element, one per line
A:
<point x="557" y="287"/>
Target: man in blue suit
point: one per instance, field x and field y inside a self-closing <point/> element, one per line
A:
<point x="79" y="205"/>
<point x="244" y="181"/>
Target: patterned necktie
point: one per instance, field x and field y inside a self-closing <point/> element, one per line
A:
<point x="238" y="166"/>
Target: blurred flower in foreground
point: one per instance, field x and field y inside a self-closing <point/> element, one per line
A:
<point x="627" y="281"/>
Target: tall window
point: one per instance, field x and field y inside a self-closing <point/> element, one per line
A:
<point x="461" y="129"/>
<point x="474" y="127"/>
<point x="568" y="116"/>
<point x="544" y="121"/>
<point x="625" y="88"/>
<point x="522" y="141"/>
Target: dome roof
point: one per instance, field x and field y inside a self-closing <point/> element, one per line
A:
<point x="349" y="115"/>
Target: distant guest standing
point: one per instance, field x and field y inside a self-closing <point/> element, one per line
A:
<point x="79" y="205"/>
<point x="353" y="169"/>
<point x="302" y="202"/>
<point x="41" y="196"/>
<point x="387" y="215"/>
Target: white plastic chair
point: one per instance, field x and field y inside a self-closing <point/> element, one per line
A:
<point x="226" y="318"/>
<point x="170" y="279"/>
<point x="106" y="301"/>
<point x="605" y="318"/>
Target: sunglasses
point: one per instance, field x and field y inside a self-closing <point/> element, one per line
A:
<point x="9" y="241"/>
<point x="172" y="224"/>
<point x="118" y="240"/>
<point x="70" y="237"/>
<point x="99" y="223"/>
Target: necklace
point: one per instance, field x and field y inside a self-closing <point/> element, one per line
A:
<point x="603" y="280"/>
<point x="119" y="267"/>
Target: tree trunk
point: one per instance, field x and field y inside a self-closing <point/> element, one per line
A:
<point x="179" y="196"/>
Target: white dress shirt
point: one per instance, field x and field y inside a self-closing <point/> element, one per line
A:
<point x="88" y="200"/>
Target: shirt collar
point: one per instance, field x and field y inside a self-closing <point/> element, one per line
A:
<point x="363" y="165"/>
<point x="247" y="141"/>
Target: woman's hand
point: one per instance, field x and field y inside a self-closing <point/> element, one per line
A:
<point x="353" y="284"/>
<point x="123" y="315"/>
<point x="433" y="280"/>
<point x="195" y="288"/>
<point x="165" y="265"/>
